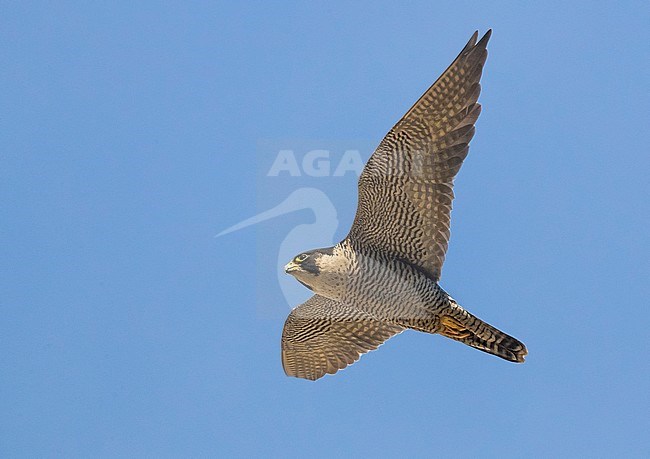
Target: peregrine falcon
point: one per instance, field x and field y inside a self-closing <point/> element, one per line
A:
<point x="383" y="277"/>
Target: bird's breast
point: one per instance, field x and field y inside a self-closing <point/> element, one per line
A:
<point x="388" y="287"/>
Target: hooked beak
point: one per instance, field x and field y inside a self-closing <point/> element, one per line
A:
<point x="290" y="267"/>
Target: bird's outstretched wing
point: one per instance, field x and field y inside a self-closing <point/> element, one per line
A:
<point x="323" y="336"/>
<point x="405" y="190"/>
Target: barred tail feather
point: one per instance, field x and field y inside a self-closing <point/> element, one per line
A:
<point x="466" y="328"/>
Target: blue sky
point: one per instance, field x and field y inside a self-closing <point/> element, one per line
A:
<point x="132" y="134"/>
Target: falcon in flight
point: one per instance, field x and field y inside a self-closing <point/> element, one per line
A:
<point x="383" y="277"/>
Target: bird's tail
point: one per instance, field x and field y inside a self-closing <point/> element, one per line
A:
<point x="460" y="325"/>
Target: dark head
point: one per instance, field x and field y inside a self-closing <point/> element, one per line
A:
<point x="308" y="266"/>
<point x="307" y="261"/>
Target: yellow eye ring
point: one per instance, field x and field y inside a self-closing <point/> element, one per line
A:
<point x="300" y="258"/>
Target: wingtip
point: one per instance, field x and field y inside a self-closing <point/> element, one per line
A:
<point x="471" y="43"/>
<point x="484" y="40"/>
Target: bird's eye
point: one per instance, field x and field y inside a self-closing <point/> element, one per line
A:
<point x="300" y="258"/>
